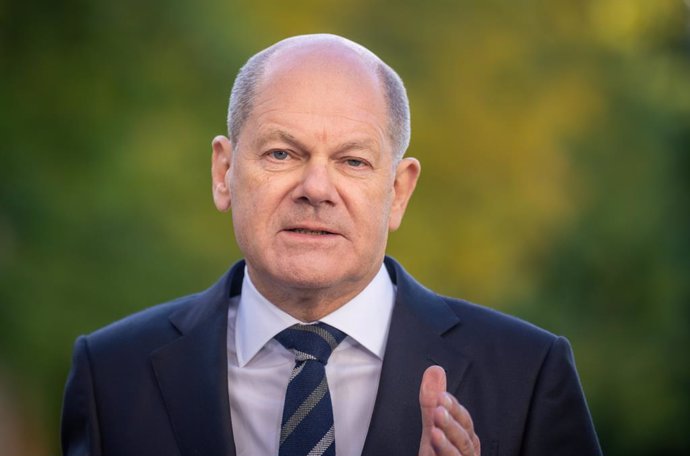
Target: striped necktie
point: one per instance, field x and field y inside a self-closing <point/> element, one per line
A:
<point x="307" y="426"/>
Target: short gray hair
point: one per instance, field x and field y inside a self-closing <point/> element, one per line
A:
<point x="244" y="92"/>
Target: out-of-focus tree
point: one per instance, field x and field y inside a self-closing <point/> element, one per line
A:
<point x="554" y="138"/>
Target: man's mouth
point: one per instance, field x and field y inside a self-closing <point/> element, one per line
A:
<point x="311" y="232"/>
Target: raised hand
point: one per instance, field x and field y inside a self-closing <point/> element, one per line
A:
<point x="447" y="428"/>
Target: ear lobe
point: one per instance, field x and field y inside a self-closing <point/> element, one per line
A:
<point x="406" y="176"/>
<point x="221" y="160"/>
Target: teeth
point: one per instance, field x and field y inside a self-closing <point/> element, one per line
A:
<point x="303" y="231"/>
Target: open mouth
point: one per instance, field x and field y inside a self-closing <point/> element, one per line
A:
<point x="311" y="232"/>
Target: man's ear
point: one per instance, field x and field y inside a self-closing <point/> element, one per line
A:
<point x="221" y="160"/>
<point x="406" y="175"/>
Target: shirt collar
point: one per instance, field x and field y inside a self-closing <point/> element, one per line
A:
<point x="365" y="318"/>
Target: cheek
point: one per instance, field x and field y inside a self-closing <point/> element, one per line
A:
<point x="244" y="188"/>
<point x="242" y="203"/>
<point x="256" y="200"/>
<point x="375" y="214"/>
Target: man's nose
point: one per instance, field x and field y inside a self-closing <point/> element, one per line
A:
<point x="316" y="185"/>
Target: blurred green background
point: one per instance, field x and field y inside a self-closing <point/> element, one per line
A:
<point x="554" y="137"/>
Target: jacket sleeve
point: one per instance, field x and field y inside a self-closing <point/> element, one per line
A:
<point x="80" y="430"/>
<point x="559" y="421"/>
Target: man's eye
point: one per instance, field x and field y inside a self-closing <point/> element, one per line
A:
<point x="354" y="162"/>
<point x="279" y="154"/>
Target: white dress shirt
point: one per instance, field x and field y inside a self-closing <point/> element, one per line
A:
<point x="259" y="366"/>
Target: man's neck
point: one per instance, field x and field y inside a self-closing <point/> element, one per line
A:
<point x="309" y="304"/>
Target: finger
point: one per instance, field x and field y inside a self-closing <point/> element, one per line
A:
<point x="458" y="412"/>
<point x="477" y="445"/>
<point x="441" y="445"/>
<point x="455" y="434"/>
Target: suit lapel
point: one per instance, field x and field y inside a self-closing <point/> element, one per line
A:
<point x="416" y="341"/>
<point x="192" y="372"/>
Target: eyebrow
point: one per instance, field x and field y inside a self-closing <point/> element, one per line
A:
<point x="367" y="144"/>
<point x="282" y="135"/>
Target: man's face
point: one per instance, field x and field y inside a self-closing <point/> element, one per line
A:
<point x="312" y="180"/>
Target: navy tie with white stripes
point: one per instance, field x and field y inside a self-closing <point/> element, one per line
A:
<point x="307" y="426"/>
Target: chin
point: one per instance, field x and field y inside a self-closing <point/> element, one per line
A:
<point x="314" y="273"/>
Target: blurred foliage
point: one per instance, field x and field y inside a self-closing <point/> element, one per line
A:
<point x="554" y="138"/>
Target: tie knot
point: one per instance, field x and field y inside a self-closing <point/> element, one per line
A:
<point x="315" y="342"/>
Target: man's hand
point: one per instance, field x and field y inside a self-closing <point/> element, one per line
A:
<point x="447" y="428"/>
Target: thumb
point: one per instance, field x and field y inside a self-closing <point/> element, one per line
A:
<point x="433" y="384"/>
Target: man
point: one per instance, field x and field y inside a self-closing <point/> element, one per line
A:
<point x="314" y="174"/>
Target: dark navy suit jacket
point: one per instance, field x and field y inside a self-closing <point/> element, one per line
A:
<point x="155" y="383"/>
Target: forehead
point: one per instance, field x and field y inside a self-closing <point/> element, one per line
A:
<point x="327" y="81"/>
